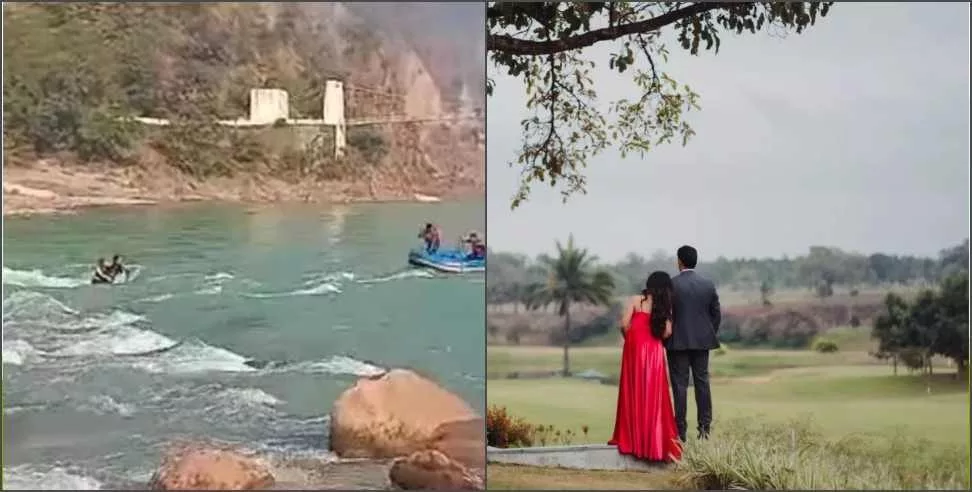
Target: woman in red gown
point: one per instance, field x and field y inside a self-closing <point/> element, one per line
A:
<point x="644" y="426"/>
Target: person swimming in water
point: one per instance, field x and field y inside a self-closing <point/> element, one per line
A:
<point x="432" y="237"/>
<point x="116" y="268"/>
<point x="101" y="274"/>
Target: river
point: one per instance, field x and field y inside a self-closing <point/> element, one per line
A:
<point x="238" y="324"/>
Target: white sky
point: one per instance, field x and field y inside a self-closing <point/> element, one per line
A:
<point x="853" y="134"/>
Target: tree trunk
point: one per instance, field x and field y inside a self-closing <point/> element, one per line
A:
<point x="566" y="372"/>
<point x="894" y="364"/>
<point x="928" y="373"/>
<point x="962" y="369"/>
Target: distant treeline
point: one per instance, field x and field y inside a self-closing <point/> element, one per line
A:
<point x="821" y="270"/>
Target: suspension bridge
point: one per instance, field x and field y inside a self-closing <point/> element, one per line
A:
<point x="340" y="110"/>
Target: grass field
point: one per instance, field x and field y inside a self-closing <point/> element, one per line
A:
<point x="844" y="395"/>
<point x="502" y="360"/>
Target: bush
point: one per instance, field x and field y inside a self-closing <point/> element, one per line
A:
<point x="824" y="345"/>
<point x="102" y="136"/>
<point x="506" y="431"/>
<point x="369" y="143"/>
<point x="752" y="455"/>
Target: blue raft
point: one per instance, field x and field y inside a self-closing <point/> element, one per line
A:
<point x="446" y="260"/>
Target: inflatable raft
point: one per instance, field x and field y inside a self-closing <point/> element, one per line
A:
<point x="446" y="260"/>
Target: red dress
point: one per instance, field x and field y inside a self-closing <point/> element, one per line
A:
<point x="644" y="426"/>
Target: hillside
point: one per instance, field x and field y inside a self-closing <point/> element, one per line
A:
<point x="71" y="70"/>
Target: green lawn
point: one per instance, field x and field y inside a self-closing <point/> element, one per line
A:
<point x="840" y="402"/>
<point x="844" y="394"/>
<point x="502" y="360"/>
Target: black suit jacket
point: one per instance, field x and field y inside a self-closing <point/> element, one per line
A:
<point x="696" y="315"/>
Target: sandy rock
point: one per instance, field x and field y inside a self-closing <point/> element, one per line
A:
<point x="462" y="440"/>
<point x="432" y="470"/>
<point x="399" y="413"/>
<point x="206" y="468"/>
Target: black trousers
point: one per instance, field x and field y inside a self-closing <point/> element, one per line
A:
<point x="680" y="362"/>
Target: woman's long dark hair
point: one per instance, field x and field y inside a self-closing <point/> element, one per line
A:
<point x="659" y="287"/>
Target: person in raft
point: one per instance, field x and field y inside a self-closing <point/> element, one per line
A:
<point x="116" y="268"/>
<point x="477" y="247"/>
<point x="102" y="273"/>
<point x="432" y="237"/>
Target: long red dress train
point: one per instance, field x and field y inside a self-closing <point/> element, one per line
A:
<point x="644" y="426"/>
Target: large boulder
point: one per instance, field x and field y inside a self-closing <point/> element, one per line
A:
<point x="202" y="467"/>
<point x="433" y="470"/>
<point x="398" y="413"/>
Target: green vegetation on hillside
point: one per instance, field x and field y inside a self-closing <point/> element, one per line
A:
<point x="72" y="70"/>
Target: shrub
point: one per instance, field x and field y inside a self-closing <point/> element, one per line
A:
<point x="752" y="455"/>
<point x="506" y="431"/>
<point x="369" y="143"/>
<point x="101" y="136"/>
<point x="855" y="321"/>
<point x="824" y="345"/>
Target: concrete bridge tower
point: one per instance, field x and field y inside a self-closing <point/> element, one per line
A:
<point x="334" y="115"/>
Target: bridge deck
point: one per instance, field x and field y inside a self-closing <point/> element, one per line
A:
<point x="384" y="120"/>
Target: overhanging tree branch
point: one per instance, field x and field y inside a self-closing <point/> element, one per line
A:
<point x="515" y="46"/>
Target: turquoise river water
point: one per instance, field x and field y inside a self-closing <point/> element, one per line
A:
<point x="239" y="324"/>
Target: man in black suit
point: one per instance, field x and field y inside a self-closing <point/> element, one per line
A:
<point x="696" y="321"/>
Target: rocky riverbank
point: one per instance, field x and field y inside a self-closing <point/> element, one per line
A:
<point x="397" y="430"/>
<point x="51" y="187"/>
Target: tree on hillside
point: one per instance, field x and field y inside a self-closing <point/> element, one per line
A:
<point x="542" y="44"/>
<point x="935" y="323"/>
<point x="881" y="267"/>
<point x="952" y="323"/>
<point x="572" y="278"/>
<point x="955" y="259"/>
<point x="889" y="329"/>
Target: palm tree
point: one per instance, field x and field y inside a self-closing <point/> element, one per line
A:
<point x="572" y="277"/>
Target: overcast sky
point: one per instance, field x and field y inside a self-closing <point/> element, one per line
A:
<point x="853" y="134"/>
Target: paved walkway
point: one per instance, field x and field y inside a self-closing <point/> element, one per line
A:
<point x="585" y="457"/>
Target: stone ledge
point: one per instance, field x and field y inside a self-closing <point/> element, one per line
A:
<point x="584" y="457"/>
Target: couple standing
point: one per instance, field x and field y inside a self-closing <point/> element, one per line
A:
<point x="668" y="331"/>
